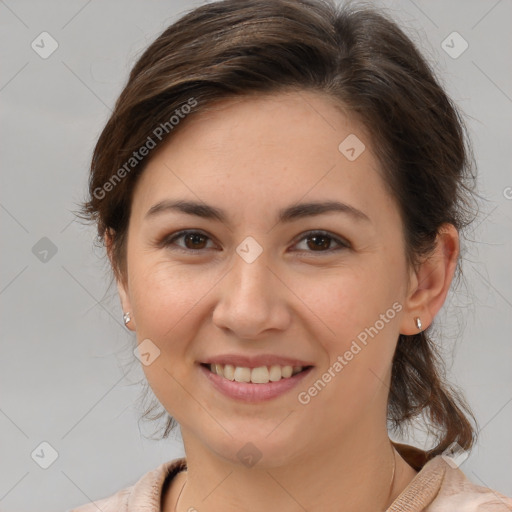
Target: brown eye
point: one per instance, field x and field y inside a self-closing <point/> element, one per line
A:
<point x="194" y="241"/>
<point x="320" y="241"/>
<point x="191" y="241"/>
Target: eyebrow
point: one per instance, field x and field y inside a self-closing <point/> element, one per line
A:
<point x="287" y="214"/>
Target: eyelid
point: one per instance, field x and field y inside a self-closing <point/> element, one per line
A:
<point x="342" y="242"/>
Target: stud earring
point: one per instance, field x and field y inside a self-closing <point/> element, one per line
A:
<point x="126" y="318"/>
<point x="418" y="323"/>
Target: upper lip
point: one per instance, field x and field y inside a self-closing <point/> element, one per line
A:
<point x="255" y="361"/>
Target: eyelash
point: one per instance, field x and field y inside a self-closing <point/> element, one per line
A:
<point x="342" y="244"/>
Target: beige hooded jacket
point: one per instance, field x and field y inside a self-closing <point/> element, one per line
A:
<point x="437" y="487"/>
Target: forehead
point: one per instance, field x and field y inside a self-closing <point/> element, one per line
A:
<point x="265" y="150"/>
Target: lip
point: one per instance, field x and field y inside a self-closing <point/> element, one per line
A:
<point x="255" y="361"/>
<point x="249" y="392"/>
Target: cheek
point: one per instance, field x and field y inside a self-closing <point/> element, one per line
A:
<point x="359" y="338"/>
<point x="167" y="299"/>
<point x="356" y="319"/>
<point x="345" y="301"/>
<point x="164" y="294"/>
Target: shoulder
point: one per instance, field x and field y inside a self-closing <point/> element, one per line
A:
<point x="117" y="502"/>
<point x="440" y="486"/>
<point x="142" y="496"/>
<point x="458" y="493"/>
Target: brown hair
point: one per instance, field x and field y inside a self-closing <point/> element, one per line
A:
<point x="353" y="54"/>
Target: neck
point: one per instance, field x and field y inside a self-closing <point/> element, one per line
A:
<point x="353" y="476"/>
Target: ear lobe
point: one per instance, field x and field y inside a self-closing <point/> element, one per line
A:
<point x="431" y="282"/>
<point x="121" y="287"/>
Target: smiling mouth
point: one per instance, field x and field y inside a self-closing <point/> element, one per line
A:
<point x="259" y="375"/>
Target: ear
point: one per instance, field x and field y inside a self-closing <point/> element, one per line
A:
<point x="122" y="287"/>
<point x="430" y="283"/>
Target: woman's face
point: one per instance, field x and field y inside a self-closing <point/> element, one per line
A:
<point x="256" y="284"/>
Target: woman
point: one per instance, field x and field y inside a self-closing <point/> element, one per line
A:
<point x="280" y="190"/>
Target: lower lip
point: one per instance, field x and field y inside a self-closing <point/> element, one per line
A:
<point x="249" y="392"/>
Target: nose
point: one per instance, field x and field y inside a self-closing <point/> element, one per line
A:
<point x="252" y="300"/>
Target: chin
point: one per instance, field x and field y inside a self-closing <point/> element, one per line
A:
<point x="264" y="446"/>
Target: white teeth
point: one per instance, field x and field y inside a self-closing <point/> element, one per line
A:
<point x="242" y="374"/>
<point x="275" y="373"/>
<point x="219" y="370"/>
<point x="260" y="375"/>
<point x="229" y="371"/>
<point x="286" y="371"/>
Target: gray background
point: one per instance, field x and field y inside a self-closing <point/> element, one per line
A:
<point x="66" y="372"/>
